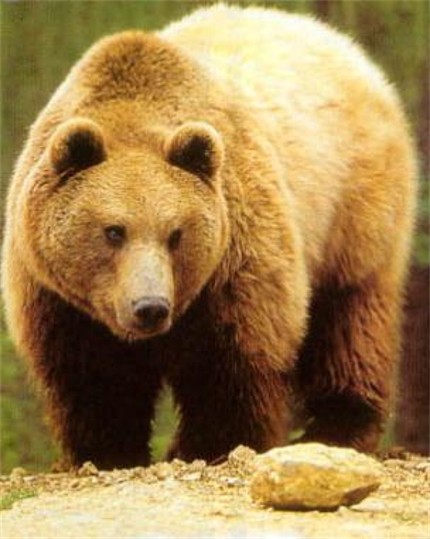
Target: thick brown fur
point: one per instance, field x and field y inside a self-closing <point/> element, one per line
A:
<point x="268" y="199"/>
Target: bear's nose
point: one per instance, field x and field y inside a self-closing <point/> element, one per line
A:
<point x="151" y="312"/>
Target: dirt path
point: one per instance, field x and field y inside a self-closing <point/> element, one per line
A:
<point x="195" y="500"/>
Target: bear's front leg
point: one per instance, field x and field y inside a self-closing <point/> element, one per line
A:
<point x="233" y="350"/>
<point x="100" y="391"/>
<point x="225" y="402"/>
<point x="347" y="364"/>
<point x="228" y="392"/>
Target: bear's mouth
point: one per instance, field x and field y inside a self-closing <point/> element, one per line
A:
<point x="127" y="330"/>
<point x="139" y="335"/>
<point x="133" y="333"/>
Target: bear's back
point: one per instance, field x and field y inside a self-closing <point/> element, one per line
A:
<point x="259" y="49"/>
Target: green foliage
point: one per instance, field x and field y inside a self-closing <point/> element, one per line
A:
<point x="24" y="437"/>
<point x="7" y="501"/>
<point x="422" y="244"/>
<point x="164" y="425"/>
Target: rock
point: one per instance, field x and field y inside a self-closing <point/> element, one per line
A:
<point x="162" y="470"/>
<point x="371" y="506"/>
<point x="422" y="466"/>
<point x="197" y="465"/>
<point x="393" y="463"/>
<point x="87" y="470"/>
<point x="234" y="482"/>
<point x="17" y="475"/>
<point x="313" y="476"/>
<point x="241" y="454"/>
<point x="241" y="460"/>
<point x="194" y="476"/>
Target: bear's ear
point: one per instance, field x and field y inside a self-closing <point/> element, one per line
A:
<point x="76" y="145"/>
<point x="197" y="148"/>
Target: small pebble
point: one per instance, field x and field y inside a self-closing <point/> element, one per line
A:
<point x="87" y="469"/>
<point x="423" y="466"/>
<point x="162" y="470"/>
<point x="393" y="463"/>
<point x="410" y="465"/>
<point x="197" y="465"/>
<point x="241" y="454"/>
<point x="17" y="475"/>
<point x="194" y="476"/>
<point x="234" y="482"/>
<point x="370" y="506"/>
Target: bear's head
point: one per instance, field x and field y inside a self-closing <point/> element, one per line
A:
<point x="130" y="235"/>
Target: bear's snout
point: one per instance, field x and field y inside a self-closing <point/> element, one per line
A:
<point x="144" y="303"/>
<point x="151" y="313"/>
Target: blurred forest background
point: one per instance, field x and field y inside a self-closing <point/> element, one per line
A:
<point x="40" y="42"/>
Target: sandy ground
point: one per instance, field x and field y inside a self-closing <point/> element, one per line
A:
<point x="199" y="501"/>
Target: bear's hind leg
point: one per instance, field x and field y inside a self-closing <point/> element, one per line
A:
<point x="347" y="364"/>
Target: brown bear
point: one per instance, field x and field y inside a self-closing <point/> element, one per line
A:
<point x="226" y="205"/>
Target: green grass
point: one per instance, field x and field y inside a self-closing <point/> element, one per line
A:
<point x="7" y="501"/>
<point x="421" y="247"/>
<point x="164" y="426"/>
<point x="25" y="440"/>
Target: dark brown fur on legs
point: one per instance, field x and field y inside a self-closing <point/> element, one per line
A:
<point x="225" y="399"/>
<point x="412" y="413"/>
<point x="347" y="363"/>
<point x="100" y="391"/>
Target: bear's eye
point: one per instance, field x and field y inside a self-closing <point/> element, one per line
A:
<point x="115" y="234"/>
<point x="175" y="239"/>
